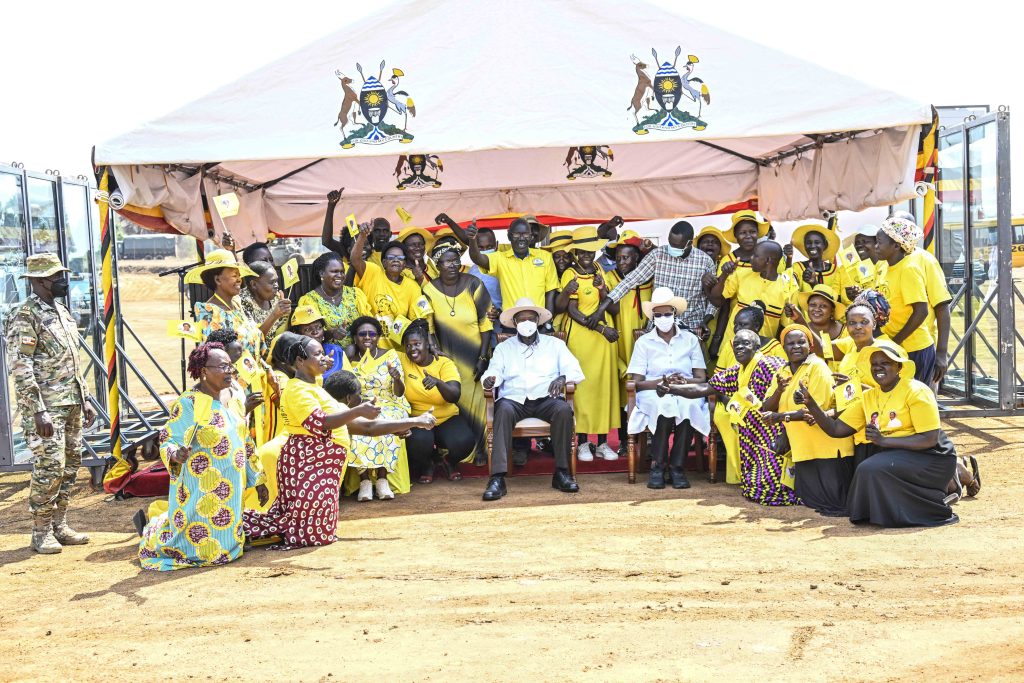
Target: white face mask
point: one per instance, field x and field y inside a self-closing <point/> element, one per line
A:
<point x="527" y="328"/>
<point x="488" y="251"/>
<point x="665" y="323"/>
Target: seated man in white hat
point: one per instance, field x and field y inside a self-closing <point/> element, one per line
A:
<point x="531" y="369"/>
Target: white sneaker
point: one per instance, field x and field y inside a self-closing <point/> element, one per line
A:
<point x="583" y="453"/>
<point x="365" y="490"/>
<point x="383" y="490"/>
<point x="605" y="451"/>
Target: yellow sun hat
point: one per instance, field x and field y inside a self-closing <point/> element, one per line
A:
<point x="742" y="216"/>
<point x="891" y="349"/>
<point x="827" y="293"/>
<point x="586" y="239"/>
<point x="218" y="258"/>
<point x="832" y="242"/>
<point x="304" y="315"/>
<point x="428" y="238"/>
<point x="560" y="240"/>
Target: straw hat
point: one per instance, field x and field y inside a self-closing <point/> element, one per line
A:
<point x="507" y="316"/>
<point x="560" y="240"/>
<point x="891" y="349"/>
<point x="714" y="232"/>
<point x="825" y="292"/>
<point x="428" y="238"/>
<point x="663" y="296"/>
<point x="304" y="315"/>
<point x="586" y="239"/>
<point x="218" y="258"/>
<point x="741" y="216"/>
<point x="43" y="265"/>
<point x="831" y="239"/>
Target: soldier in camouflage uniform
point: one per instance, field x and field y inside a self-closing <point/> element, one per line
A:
<point x="42" y="348"/>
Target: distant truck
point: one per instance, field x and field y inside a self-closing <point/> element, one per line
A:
<point x="139" y="247"/>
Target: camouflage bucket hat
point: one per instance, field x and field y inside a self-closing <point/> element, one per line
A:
<point x="43" y="265"/>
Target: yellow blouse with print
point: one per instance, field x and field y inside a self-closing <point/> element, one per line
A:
<point x="809" y="442"/>
<point x="422" y="399"/>
<point x="910" y="408"/>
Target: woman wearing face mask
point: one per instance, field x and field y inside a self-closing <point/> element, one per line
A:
<point x="592" y="339"/>
<point x="223" y="274"/>
<point x="389" y="294"/>
<point x="821" y="247"/>
<point x="337" y="303"/>
<point x="823" y="465"/>
<point x="463" y="330"/>
<point x="206" y="448"/>
<point x="823" y="315"/>
<point x="667" y="355"/>
<point x="264" y="302"/>
<point x="903" y="483"/>
<point x="381" y="458"/>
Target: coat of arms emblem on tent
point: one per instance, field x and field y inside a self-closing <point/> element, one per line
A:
<point x="667" y="90"/>
<point x="423" y="170"/>
<point x="373" y="103"/>
<point x="591" y="161"/>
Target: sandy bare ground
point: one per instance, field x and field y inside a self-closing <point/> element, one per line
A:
<point x="616" y="583"/>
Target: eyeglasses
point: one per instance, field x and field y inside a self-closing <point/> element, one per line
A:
<point x="366" y="333"/>
<point x="670" y="314"/>
<point x="224" y="367"/>
<point x="394" y="257"/>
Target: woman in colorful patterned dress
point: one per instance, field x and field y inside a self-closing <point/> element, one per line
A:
<point x="207" y="451"/>
<point x="381" y="458"/>
<point x="312" y="459"/>
<point x="462" y="328"/>
<point x="744" y="386"/>
<point x="263" y="300"/>
<point x="222" y="274"/>
<point x="339" y="305"/>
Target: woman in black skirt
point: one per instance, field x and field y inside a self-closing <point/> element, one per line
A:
<point x="904" y="482"/>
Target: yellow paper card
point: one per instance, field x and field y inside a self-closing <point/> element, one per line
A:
<point x="290" y="272"/>
<point x="847" y="394"/>
<point x="186" y="329"/>
<point x="404" y="215"/>
<point x="247" y="368"/>
<point x="423" y="307"/>
<point x="353" y="227"/>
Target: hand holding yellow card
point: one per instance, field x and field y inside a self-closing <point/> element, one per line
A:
<point x="290" y="272"/>
<point x="186" y="329"/>
<point x="847" y="394"/>
<point x="353" y="227"/>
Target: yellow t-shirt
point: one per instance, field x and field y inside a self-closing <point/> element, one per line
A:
<point x="421" y="399"/>
<point x="773" y="348"/>
<point x="387" y="298"/>
<point x="908" y="409"/>
<point x="835" y="276"/>
<point x="810" y="442"/>
<point x="746" y="287"/>
<point x="532" y="277"/>
<point x="902" y="285"/>
<point x="935" y="286"/>
<point x="299" y="400"/>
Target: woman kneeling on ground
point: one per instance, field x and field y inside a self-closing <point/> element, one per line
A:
<point x="903" y="483"/>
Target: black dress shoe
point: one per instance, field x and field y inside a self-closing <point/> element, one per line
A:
<point x="656" y="479"/>
<point x="519" y="457"/>
<point x="140" y="521"/>
<point x="679" y="480"/>
<point x="496" y="488"/>
<point x="563" y="482"/>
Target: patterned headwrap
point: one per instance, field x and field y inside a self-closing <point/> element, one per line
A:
<point x="902" y="231"/>
<point x="443" y="248"/>
<point x="874" y="300"/>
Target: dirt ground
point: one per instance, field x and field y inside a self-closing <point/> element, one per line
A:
<point x="615" y="583"/>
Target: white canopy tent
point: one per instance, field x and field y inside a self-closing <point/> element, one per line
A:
<point x="578" y="108"/>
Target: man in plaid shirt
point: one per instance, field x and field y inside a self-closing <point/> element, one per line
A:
<point x="682" y="269"/>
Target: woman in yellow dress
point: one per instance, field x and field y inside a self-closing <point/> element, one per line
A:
<point x="822" y="313"/>
<point x="462" y="328"/>
<point x="821" y="247"/>
<point x="593" y="342"/>
<point x="744" y="232"/>
<point x="221" y="273"/>
<point x="823" y="465"/>
<point x="382" y="458"/>
<point x="338" y="304"/>
<point x="627" y="253"/>
<point x="560" y="246"/>
<point x="433" y="385"/>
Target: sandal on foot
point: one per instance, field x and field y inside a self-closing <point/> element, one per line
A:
<point x="427" y="476"/>
<point x="451" y="472"/>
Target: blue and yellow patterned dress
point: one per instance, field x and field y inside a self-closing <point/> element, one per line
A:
<point x="203" y="522"/>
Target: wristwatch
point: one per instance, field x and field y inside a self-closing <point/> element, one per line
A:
<point x="786" y="417"/>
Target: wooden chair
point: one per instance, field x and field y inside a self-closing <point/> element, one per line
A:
<point x="531" y="427"/>
<point x="635" y="448"/>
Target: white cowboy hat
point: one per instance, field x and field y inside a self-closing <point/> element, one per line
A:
<point x="662" y="296"/>
<point x="524" y="304"/>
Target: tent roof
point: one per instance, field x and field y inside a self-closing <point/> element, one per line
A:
<point x="503" y="93"/>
